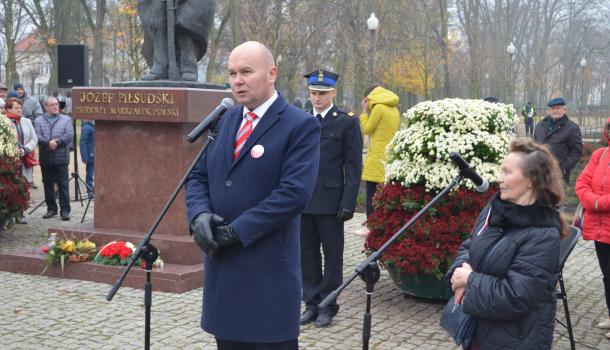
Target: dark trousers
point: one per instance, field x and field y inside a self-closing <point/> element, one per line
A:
<point x="51" y="175"/>
<point x="603" y="256"/>
<point x="529" y="127"/>
<point x="235" y="345"/>
<point x="370" y="192"/>
<point x="317" y="285"/>
<point x="89" y="178"/>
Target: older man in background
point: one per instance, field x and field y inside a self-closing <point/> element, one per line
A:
<point x="31" y="106"/>
<point x="561" y="135"/>
<point x="55" y="134"/>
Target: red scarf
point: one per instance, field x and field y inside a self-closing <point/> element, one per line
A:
<point x="14" y="117"/>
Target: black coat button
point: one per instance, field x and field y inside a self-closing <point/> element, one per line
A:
<point x="228" y="183"/>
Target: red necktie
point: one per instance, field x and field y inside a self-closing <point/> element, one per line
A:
<point x="243" y="133"/>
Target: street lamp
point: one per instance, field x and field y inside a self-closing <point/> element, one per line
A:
<point x="602" y="98"/>
<point x="487" y="84"/>
<point x="583" y="64"/>
<point x="510" y="49"/>
<point x="372" y="24"/>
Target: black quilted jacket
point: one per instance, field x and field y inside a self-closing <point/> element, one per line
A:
<point x="514" y="298"/>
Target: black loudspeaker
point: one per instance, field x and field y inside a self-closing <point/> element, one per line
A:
<point x="72" y="66"/>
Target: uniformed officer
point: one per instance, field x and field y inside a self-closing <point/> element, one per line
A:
<point x="333" y="201"/>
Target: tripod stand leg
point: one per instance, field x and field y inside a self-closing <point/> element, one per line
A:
<point x="90" y="192"/>
<point x="86" y="208"/>
<point x="78" y="196"/>
<point x="36" y="207"/>
<point x="77" y="178"/>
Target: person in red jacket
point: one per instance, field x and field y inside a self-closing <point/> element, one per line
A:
<point x="593" y="191"/>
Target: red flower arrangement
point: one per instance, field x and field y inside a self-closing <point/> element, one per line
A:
<point x="115" y="253"/>
<point x="431" y="244"/>
<point x="119" y="253"/>
<point x="14" y="194"/>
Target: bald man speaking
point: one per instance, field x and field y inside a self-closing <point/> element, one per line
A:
<point x="244" y="199"/>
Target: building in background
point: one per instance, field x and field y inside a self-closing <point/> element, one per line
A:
<point x="33" y="65"/>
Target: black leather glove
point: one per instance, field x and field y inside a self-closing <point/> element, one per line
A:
<point x="225" y="236"/>
<point x="202" y="231"/>
<point x="344" y="215"/>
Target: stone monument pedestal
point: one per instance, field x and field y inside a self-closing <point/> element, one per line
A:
<point x="140" y="156"/>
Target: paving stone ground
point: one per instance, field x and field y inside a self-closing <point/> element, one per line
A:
<point x="38" y="312"/>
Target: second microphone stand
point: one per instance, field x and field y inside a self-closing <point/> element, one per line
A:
<point x="149" y="253"/>
<point x="369" y="272"/>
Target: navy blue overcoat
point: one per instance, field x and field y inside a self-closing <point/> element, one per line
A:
<point x="252" y="290"/>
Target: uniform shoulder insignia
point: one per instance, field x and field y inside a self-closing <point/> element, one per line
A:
<point x="341" y="111"/>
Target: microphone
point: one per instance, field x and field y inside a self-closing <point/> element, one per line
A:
<point x="481" y="185"/>
<point x="210" y="120"/>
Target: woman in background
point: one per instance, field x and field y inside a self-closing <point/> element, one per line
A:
<point x="380" y="119"/>
<point x="26" y="136"/>
<point x="593" y="191"/>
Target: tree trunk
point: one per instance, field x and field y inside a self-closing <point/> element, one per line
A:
<point x="236" y="24"/>
<point x="211" y="69"/>
<point x="340" y="69"/>
<point x="12" y="25"/>
<point x="97" y="29"/>
<point x="97" y="69"/>
<point x="444" y="43"/>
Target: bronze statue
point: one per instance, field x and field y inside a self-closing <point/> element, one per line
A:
<point x="175" y="36"/>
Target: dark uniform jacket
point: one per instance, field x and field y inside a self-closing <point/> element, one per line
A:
<point x="514" y="298"/>
<point x="338" y="177"/>
<point x="563" y="139"/>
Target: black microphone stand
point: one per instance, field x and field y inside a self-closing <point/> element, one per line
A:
<point x="148" y="252"/>
<point x="369" y="272"/>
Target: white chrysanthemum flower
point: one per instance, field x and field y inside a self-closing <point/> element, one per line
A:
<point x="479" y="131"/>
<point x="8" y="140"/>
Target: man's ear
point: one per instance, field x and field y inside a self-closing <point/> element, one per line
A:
<point x="273" y="74"/>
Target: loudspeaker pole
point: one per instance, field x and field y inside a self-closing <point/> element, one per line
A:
<point x="77" y="194"/>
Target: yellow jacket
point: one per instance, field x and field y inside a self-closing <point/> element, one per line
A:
<point x="381" y="121"/>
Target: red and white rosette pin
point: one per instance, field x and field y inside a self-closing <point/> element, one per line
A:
<point x="257" y="151"/>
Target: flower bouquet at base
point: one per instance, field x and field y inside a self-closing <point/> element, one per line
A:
<point x="68" y="250"/>
<point x="119" y="253"/>
<point x="85" y="250"/>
